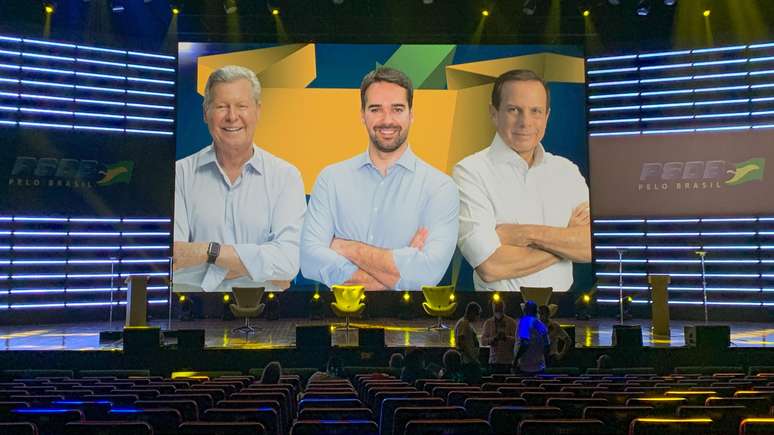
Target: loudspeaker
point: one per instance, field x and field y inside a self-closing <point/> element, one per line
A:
<point x="371" y="337"/>
<point x="139" y="339"/>
<point x="317" y="336"/>
<point x="708" y="336"/>
<point x="629" y="336"/>
<point x="190" y="339"/>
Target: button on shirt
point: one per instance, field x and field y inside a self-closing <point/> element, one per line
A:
<point x="352" y="200"/>
<point x="260" y="214"/>
<point x="498" y="187"/>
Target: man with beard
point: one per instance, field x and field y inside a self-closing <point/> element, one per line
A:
<point x="383" y="219"/>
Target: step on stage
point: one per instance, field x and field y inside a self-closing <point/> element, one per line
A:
<point x="398" y="334"/>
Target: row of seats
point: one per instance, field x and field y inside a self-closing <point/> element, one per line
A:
<point x="377" y="403"/>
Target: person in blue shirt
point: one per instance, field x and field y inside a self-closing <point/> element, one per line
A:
<point x="383" y="219"/>
<point x="238" y="208"/>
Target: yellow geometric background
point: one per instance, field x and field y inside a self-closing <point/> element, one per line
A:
<point x="315" y="127"/>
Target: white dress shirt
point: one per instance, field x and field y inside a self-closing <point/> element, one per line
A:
<point x="260" y="214"/>
<point x="498" y="187"/>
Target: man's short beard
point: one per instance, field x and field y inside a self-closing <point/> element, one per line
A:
<point x="399" y="141"/>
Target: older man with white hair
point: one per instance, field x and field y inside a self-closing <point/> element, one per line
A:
<point x="238" y="208"/>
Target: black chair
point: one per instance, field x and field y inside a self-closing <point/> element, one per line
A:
<point x="756" y="426"/>
<point x="403" y="416"/>
<point x="108" y="427"/>
<point x="20" y="428"/>
<point x="330" y="427"/>
<point x="504" y="419"/>
<point x="670" y="426"/>
<point x="266" y="416"/>
<point x="448" y="427"/>
<point x="336" y="414"/>
<point x="616" y="418"/>
<point x="221" y="428"/>
<point x="48" y="421"/>
<point x="188" y="409"/>
<point x="162" y="420"/>
<point x="573" y="407"/>
<point x="387" y="412"/>
<point x="560" y="427"/>
<point x="480" y="407"/>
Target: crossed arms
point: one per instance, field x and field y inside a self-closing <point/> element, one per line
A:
<point x="507" y="251"/>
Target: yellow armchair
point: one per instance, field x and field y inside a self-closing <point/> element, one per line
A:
<point x="348" y="301"/>
<point x="439" y="302"/>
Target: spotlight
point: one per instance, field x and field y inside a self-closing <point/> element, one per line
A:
<point x="175" y="7"/>
<point x="272" y="306"/>
<point x="230" y="7"/>
<point x="586" y="299"/>
<point x="584" y="305"/>
<point x="226" y="298"/>
<point x="529" y="7"/>
<point x="451" y="297"/>
<point x="670" y="2"/>
<point x="316" y="306"/>
<point x="227" y="314"/>
<point x="49" y="7"/>
<point x="706" y="13"/>
<point x="316" y="296"/>
<point x="586" y="12"/>
<point x="275" y="11"/>
<point x="485" y="13"/>
<point x="406" y="297"/>
<point x="175" y="11"/>
<point x="643" y="8"/>
<point x="496" y="297"/>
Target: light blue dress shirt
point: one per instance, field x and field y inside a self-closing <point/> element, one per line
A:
<point x="260" y="214"/>
<point x="352" y="200"/>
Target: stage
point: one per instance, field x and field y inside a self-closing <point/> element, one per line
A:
<point x="281" y="334"/>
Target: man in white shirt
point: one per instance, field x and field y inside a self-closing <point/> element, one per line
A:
<point x="524" y="212"/>
<point x="238" y="208"/>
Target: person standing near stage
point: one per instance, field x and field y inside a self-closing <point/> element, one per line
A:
<point x="238" y="208"/>
<point x="559" y="338"/>
<point x="466" y="340"/>
<point x="499" y="333"/>
<point x="534" y="344"/>
<point x="524" y="212"/>
<point x="383" y="219"/>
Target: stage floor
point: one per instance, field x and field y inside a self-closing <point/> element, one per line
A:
<point x="398" y="333"/>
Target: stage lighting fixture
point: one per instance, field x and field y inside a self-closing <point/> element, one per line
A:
<point x="316" y="296"/>
<point x="186" y="307"/>
<point x="529" y="7"/>
<point x="49" y="7"/>
<point x="272" y="306"/>
<point x="643" y="8"/>
<point x="230" y="7"/>
<point x="586" y="12"/>
<point x="406" y="297"/>
<point x="496" y="297"/>
<point x="706" y="13"/>
<point x="227" y="314"/>
<point x="226" y="298"/>
<point x="485" y="12"/>
<point x="175" y="7"/>
<point x="670" y="2"/>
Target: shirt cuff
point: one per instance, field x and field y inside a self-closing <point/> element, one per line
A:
<point x="479" y="246"/>
<point x="337" y="273"/>
<point x="213" y="277"/>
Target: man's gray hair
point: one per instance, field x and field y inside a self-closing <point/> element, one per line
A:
<point x="227" y="74"/>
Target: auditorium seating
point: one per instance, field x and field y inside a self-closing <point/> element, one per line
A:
<point x="376" y="402"/>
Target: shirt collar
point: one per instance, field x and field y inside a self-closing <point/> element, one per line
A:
<point x="499" y="151"/>
<point x="256" y="161"/>
<point x="408" y="160"/>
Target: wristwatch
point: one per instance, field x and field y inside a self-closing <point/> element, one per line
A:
<point x="213" y="250"/>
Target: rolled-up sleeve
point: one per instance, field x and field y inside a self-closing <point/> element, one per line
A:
<point x="428" y="265"/>
<point x="318" y="261"/>
<point x="478" y="238"/>
<point x="278" y="257"/>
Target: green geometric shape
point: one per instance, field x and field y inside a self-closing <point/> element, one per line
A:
<point x="120" y="172"/>
<point x="747" y="171"/>
<point x="424" y="64"/>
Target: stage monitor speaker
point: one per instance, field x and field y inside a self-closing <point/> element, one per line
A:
<point x="628" y="336"/>
<point x="316" y="336"/>
<point x="138" y="339"/>
<point x="190" y="339"/>
<point x="371" y="337"/>
<point x="708" y="336"/>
